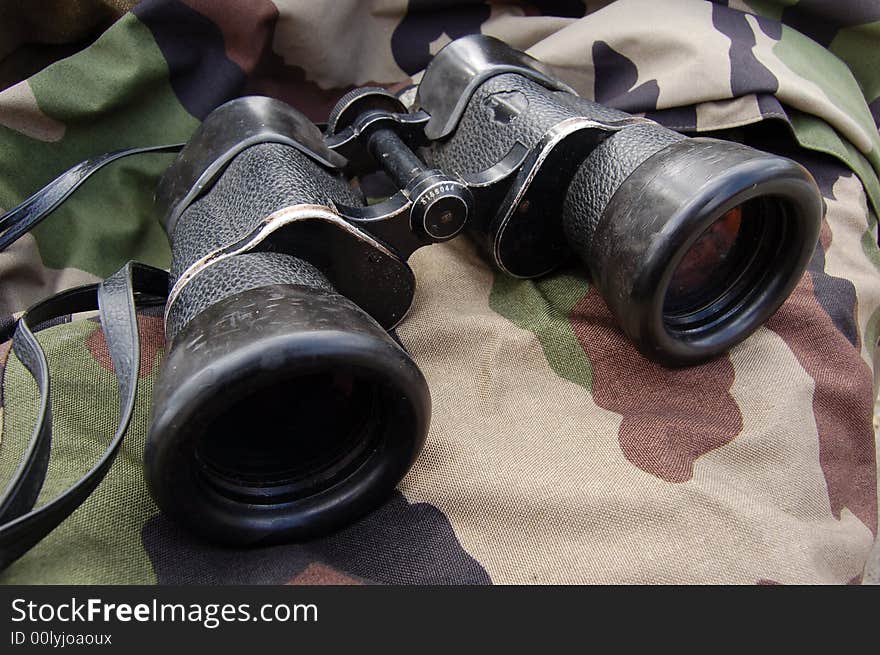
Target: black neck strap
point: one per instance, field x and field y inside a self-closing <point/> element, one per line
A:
<point x="22" y="219"/>
<point x="21" y="524"/>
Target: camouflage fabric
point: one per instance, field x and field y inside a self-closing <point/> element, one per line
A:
<point x="556" y="452"/>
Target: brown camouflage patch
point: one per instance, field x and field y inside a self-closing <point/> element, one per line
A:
<point x="245" y="33"/>
<point x="152" y="337"/>
<point x="842" y="402"/>
<point x="825" y="236"/>
<point x="671" y="417"/>
<point x="318" y="573"/>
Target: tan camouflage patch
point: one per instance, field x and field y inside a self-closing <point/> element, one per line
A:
<point x="306" y="28"/>
<point x="776" y="463"/>
<point x="26" y="280"/>
<point x="19" y="111"/>
<point x="511" y="24"/>
<point x="437" y="44"/>
<point x="687" y="70"/>
<point x="529" y="471"/>
<point x="846" y="217"/>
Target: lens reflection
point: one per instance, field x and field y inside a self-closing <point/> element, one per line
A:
<point x="714" y="262"/>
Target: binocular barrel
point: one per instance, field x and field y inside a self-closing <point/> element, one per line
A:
<point x="282" y="410"/>
<point x="692" y="242"/>
<point x="286" y="409"/>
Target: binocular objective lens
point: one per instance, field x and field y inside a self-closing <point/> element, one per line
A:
<point x="303" y="432"/>
<point x="725" y="264"/>
<point x="707" y="265"/>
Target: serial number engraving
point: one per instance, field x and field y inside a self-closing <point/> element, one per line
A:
<point x="433" y="192"/>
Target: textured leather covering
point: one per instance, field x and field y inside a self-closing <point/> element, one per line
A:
<point x="601" y="175"/>
<point x="506" y="109"/>
<point x="236" y="274"/>
<point x="260" y="181"/>
<point x="510" y="108"/>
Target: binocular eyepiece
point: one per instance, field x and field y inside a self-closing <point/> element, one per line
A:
<point x="286" y="409"/>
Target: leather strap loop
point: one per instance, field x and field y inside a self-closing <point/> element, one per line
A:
<point x="22" y="526"/>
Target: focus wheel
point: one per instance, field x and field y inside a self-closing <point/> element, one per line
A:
<point x="356" y="102"/>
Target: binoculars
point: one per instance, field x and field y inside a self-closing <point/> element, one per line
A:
<point x="285" y="408"/>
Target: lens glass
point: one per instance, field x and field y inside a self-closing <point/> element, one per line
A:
<point x="716" y="262"/>
<point x="300" y="430"/>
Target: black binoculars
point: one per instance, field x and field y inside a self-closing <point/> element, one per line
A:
<point x="285" y="408"/>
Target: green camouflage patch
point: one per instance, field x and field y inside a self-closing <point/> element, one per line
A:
<point x="544" y="307"/>
<point x="100" y="542"/>
<point x="129" y="104"/>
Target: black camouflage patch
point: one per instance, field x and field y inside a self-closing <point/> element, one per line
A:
<point x="747" y="74"/>
<point x="616" y="76"/>
<point x="399" y="543"/>
<point x="424" y="23"/>
<point x="836" y="295"/>
<point x="200" y="73"/>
